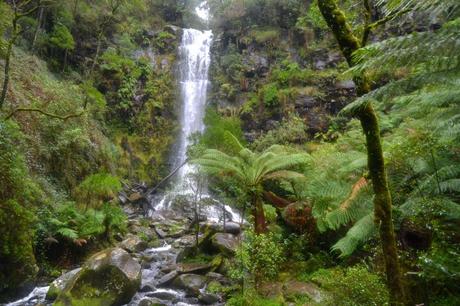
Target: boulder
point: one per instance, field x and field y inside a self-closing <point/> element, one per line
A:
<point x="208" y="298"/>
<point x="133" y="244"/>
<point x="134" y="197"/>
<point x="168" y="278"/>
<point x="59" y="284"/>
<point x="151" y="302"/>
<point x="191" y="283"/>
<point x="200" y="268"/>
<point x="295" y="288"/>
<point x="225" y="243"/>
<point x="163" y="294"/>
<point x="111" y="276"/>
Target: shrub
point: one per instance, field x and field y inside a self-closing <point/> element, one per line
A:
<point x="97" y="188"/>
<point x="61" y="38"/>
<point x="260" y="255"/>
<point x="270" y="95"/>
<point x="352" y="286"/>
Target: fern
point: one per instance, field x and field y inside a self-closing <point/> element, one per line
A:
<point x="361" y="231"/>
<point x="68" y="233"/>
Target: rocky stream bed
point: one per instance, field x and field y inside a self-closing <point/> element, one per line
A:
<point x="150" y="265"/>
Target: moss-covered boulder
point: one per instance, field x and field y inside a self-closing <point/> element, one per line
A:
<point x="59" y="284"/>
<point x="225" y="243"/>
<point x="191" y="283"/>
<point x="110" y="277"/>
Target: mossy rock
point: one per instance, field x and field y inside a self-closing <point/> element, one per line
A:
<point x="108" y="278"/>
<point x="60" y="283"/>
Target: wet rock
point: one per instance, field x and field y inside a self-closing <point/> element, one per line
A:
<point x="348" y="85"/>
<point x="168" y="268"/>
<point x="225" y="243"/>
<point x="293" y="288"/>
<point x="208" y="298"/>
<point x="111" y="276"/>
<point x="191" y="283"/>
<point x="160" y="233"/>
<point x="256" y="64"/>
<point x="175" y="30"/>
<point x="168" y="278"/>
<point x="133" y="244"/>
<point x="134" y="197"/>
<point x="163" y="295"/>
<point x="215" y="276"/>
<point x="151" y="302"/>
<point x="184" y="268"/>
<point x="230" y="227"/>
<point x="59" y="284"/>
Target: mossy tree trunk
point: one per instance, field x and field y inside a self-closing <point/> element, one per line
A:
<point x="348" y="44"/>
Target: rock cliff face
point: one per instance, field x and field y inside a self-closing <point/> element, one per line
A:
<point x="270" y="70"/>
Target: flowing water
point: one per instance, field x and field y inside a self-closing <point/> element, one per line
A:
<point x="195" y="59"/>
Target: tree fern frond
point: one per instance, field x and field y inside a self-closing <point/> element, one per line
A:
<point x="451" y="185"/>
<point x="391" y="7"/>
<point x="435" y="51"/>
<point x="284" y="174"/>
<point x="68" y="233"/>
<point x="233" y="142"/>
<point x="360" y="232"/>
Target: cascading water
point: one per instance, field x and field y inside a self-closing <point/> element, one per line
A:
<point x="195" y="56"/>
<point x="195" y="61"/>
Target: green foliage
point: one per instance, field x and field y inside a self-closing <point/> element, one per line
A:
<point x="5" y="23"/>
<point x="352" y="286"/>
<point x="61" y="38"/>
<point x="163" y="40"/>
<point x="270" y="95"/>
<point x="258" y="255"/>
<point x="312" y="18"/>
<point x="97" y="188"/>
<point x="66" y="222"/>
<point x="291" y="131"/>
<point x="17" y="194"/>
<point x="250" y="297"/>
<point x="217" y="127"/>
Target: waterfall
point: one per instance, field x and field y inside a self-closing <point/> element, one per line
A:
<point x="195" y="59"/>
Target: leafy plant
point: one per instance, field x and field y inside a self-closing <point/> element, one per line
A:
<point x="251" y="170"/>
<point x="258" y="255"/>
<point x="352" y="286"/>
<point x="98" y="188"/>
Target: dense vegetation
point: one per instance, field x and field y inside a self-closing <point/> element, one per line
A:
<point x="333" y="126"/>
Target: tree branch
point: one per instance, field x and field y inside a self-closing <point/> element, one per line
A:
<point x="31" y="109"/>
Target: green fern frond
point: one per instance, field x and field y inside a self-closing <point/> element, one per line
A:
<point x="363" y="230"/>
<point x="68" y="233"/>
<point x="426" y="51"/>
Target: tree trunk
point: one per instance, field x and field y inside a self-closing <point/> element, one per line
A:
<point x="259" y="216"/>
<point x="382" y="204"/>
<point x="348" y="44"/>
<point x="37" y="30"/>
<point x="6" y="78"/>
